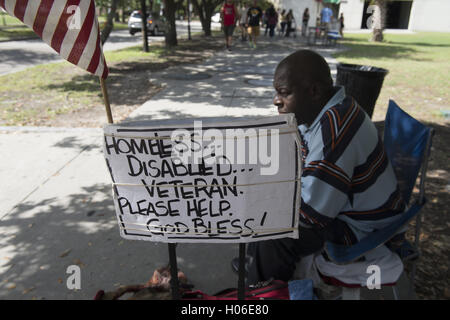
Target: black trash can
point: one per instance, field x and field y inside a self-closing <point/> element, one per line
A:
<point x="362" y="83"/>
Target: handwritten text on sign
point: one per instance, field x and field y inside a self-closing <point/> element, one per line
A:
<point x="218" y="182"/>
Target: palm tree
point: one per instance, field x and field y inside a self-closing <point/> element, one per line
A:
<point x="379" y="19"/>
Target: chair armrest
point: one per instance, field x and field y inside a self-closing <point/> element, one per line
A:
<point x="342" y="254"/>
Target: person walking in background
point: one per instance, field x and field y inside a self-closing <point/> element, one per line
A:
<point x="265" y="24"/>
<point x="305" y="20"/>
<point x="242" y="22"/>
<point x="229" y="15"/>
<point x="254" y="15"/>
<point x="289" y="21"/>
<point x="283" y="21"/>
<point x="325" y="17"/>
<point x="272" y="20"/>
<point x="341" y="25"/>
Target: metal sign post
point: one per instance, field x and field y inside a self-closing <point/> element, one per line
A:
<point x="241" y="272"/>
<point x="174" y="284"/>
<point x="189" y="19"/>
<point x="174" y="271"/>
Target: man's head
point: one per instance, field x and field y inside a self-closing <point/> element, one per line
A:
<point x="303" y="85"/>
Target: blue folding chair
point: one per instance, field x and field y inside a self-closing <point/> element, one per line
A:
<point x="333" y="37"/>
<point x="408" y="145"/>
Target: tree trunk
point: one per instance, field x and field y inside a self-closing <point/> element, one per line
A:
<point x="150" y="6"/>
<point x="205" y="10"/>
<point x="144" y="17"/>
<point x="206" y="25"/>
<point x="109" y="22"/>
<point x="171" y="29"/>
<point x="379" y="16"/>
<point x="198" y="9"/>
<point x="123" y="11"/>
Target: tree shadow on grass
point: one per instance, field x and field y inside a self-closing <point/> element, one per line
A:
<point x="124" y="87"/>
<point x="421" y="44"/>
<point x="439" y="43"/>
<point x="368" y="50"/>
<point x="129" y="85"/>
<point x="128" y="82"/>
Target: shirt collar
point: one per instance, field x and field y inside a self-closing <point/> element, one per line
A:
<point x="338" y="97"/>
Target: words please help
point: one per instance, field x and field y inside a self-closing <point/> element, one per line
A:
<point x="204" y="180"/>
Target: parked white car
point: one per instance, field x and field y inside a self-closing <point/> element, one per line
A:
<point x="154" y="25"/>
<point x="216" y="17"/>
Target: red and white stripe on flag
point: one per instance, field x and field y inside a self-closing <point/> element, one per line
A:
<point x="68" y="26"/>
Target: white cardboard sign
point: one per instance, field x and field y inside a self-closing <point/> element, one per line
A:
<point x="241" y="183"/>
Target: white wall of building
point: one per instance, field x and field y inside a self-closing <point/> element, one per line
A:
<point x="426" y="15"/>
<point x="352" y="10"/>
<point x="353" y="13"/>
<point x="430" y="15"/>
<point x="298" y="6"/>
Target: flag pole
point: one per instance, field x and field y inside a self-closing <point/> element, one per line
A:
<point x="106" y="100"/>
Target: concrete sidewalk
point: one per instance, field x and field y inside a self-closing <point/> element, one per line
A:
<point x="56" y="206"/>
<point x="231" y="84"/>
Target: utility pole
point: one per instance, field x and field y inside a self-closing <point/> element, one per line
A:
<point x="189" y="18"/>
<point x="144" y="25"/>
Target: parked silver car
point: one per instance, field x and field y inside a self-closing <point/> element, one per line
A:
<point x="155" y="24"/>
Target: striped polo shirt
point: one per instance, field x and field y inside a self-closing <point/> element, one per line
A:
<point x="346" y="172"/>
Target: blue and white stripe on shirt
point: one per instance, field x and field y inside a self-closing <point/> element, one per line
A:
<point x="346" y="173"/>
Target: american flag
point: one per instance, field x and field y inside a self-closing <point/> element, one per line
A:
<point x="68" y="26"/>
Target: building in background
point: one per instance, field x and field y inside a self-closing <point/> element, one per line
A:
<point x="414" y="15"/>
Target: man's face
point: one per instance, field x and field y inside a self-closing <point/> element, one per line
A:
<point x="290" y="97"/>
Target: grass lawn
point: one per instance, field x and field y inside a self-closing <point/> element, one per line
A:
<point x="6" y="20"/>
<point x="17" y="33"/>
<point x="419" y="68"/>
<point x="117" y="25"/>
